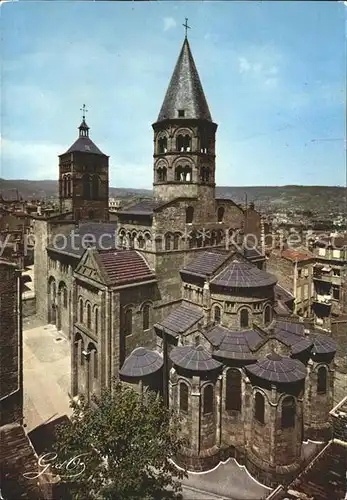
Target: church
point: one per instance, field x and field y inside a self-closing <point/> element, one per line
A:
<point x="170" y="297"/>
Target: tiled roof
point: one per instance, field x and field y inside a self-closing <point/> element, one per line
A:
<point x="125" y="266"/>
<point x="206" y="264"/>
<point x="325" y="476"/>
<point x="283" y="294"/>
<point x="239" y="274"/>
<point x="276" y="368"/>
<point x="141" y="362"/>
<point x="17" y="458"/>
<point x="180" y="320"/>
<point x="144" y="207"/>
<point x="292" y="335"/>
<point x="185" y="90"/>
<point x="193" y="358"/>
<point x="294" y="255"/>
<point x="75" y="243"/>
<point x="84" y="145"/>
<point x="232" y="344"/>
<point x="281" y="309"/>
<point x="252" y="253"/>
<point x="322" y="344"/>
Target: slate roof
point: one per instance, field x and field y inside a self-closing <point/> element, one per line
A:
<point x="206" y="264"/>
<point x="252" y="253"/>
<point x="292" y="335"/>
<point x="76" y="242"/>
<point x="322" y="344"/>
<point x="185" y="90"/>
<point x="324" y="477"/>
<point x="282" y="294"/>
<point x="281" y="309"/>
<point x="232" y="344"/>
<point x="141" y="362"/>
<point x="125" y="266"/>
<point x="240" y="274"/>
<point x="144" y="207"/>
<point x="276" y="368"/>
<point x="17" y="457"/>
<point x="84" y="145"/>
<point x="180" y="320"/>
<point x="194" y="358"/>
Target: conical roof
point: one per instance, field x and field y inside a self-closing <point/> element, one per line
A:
<point x="185" y="91"/>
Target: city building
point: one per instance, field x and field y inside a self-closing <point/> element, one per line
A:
<point x="169" y="298"/>
<point x="294" y="270"/>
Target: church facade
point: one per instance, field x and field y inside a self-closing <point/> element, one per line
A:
<point x="170" y="298"/>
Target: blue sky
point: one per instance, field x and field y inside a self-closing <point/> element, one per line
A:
<point x="273" y="74"/>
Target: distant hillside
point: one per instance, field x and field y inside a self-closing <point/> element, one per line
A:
<point x="321" y="199"/>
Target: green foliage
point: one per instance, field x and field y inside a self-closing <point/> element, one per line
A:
<point x="127" y="443"/>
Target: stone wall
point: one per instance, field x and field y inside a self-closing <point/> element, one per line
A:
<point x="339" y="334"/>
<point x="11" y="349"/>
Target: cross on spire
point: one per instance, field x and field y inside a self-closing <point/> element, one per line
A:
<point x="84" y="111"/>
<point x="186" y="26"/>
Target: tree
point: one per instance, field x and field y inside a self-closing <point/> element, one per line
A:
<point x="125" y="443"/>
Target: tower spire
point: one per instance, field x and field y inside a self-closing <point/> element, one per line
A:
<point x="83" y="128"/>
<point x="186" y="27"/>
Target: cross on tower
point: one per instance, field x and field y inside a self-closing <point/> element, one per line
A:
<point x="186" y="26"/>
<point x="84" y="111"/>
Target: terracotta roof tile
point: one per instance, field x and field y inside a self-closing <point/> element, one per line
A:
<point x="125" y="266"/>
<point x="294" y="255"/>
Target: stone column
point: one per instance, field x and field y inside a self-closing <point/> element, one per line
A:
<point x="218" y="410"/>
<point x="271" y="409"/>
<point x="195" y="414"/>
<point x="206" y="300"/>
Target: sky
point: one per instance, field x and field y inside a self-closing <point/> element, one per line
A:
<point x="274" y="74"/>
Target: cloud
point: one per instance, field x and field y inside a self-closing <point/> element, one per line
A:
<point x="260" y="72"/>
<point x="169" y="22"/>
<point x="39" y="160"/>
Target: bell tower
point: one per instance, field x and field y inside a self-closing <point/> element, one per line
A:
<point x="184" y="136"/>
<point x="84" y="178"/>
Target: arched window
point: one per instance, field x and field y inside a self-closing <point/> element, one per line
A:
<point x="141" y="241"/>
<point x="86" y="187"/>
<point x="220" y="214"/>
<point x="96" y="364"/>
<point x="233" y="390"/>
<point x="188" y="173"/>
<point x="288" y="412"/>
<point x="81" y="311"/>
<point x="96" y="321"/>
<point x="168" y="242"/>
<point x="176" y="241"/>
<point x="183" y="142"/>
<point x="183" y="397"/>
<point x="217" y="314"/>
<point x="89" y="315"/>
<point x="162" y="145"/>
<point x="65" y="187"/>
<point x="267" y="315"/>
<point x="321" y="380"/>
<point x="95" y="187"/>
<point x="91" y="214"/>
<point x="244" y="318"/>
<point x="259" y="407"/>
<point x="189" y="215"/>
<point x="205" y="174"/>
<point x="145" y="317"/>
<point x="69" y="186"/>
<point x="208" y="400"/>
<point x="128" y="323"/>
<point x="65" y="297"/>
<point x="178" y="173"/>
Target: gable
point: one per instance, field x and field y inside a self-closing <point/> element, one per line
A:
<point x="88" y="267"/>
<point x="270" y="345"/>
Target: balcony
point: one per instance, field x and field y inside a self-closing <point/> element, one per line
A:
<point x="323" y="299"/>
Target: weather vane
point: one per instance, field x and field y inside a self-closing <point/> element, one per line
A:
<point x="186" y="26"/>
<point x="84" y="111"/>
